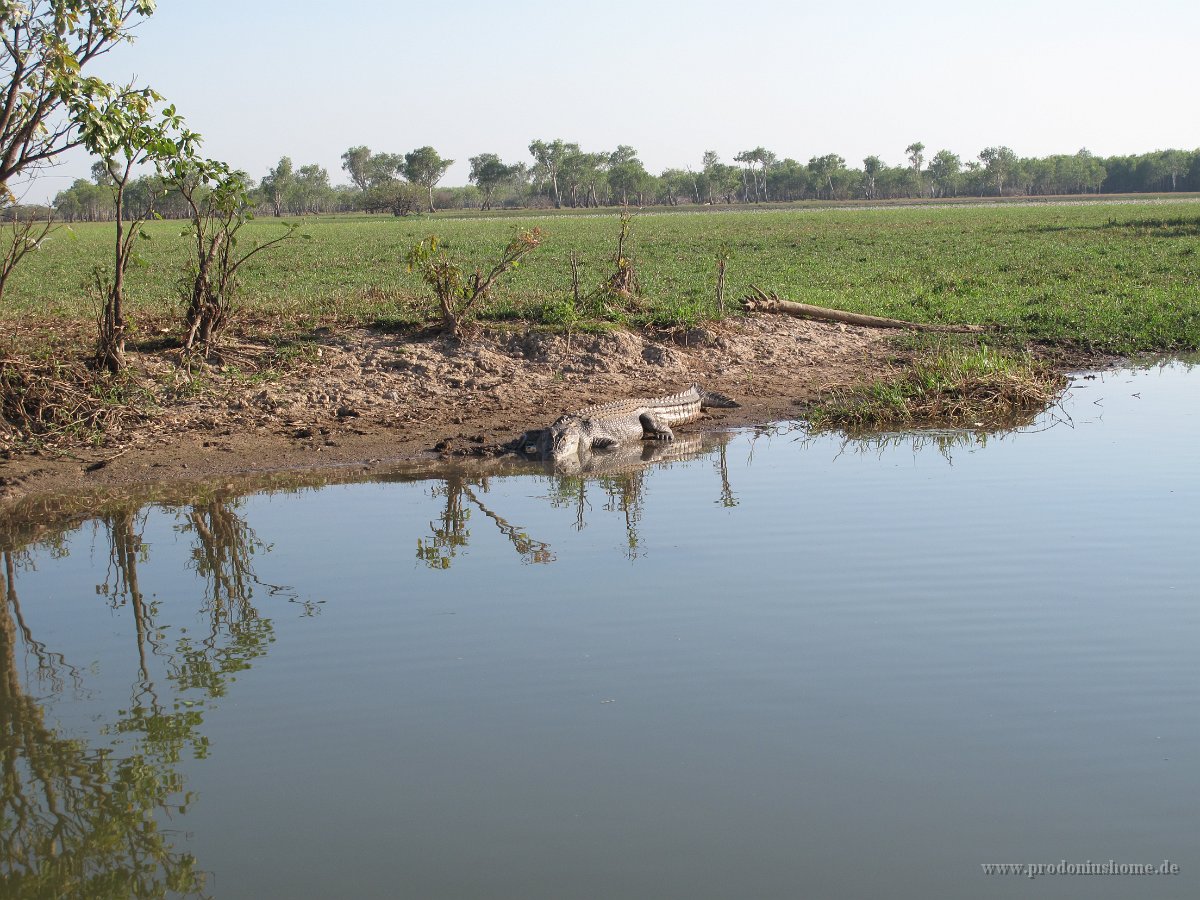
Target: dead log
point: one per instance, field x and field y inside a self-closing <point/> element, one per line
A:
<point x="761" y="301"/>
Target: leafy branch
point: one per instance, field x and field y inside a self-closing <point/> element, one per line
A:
<point x="457" y="291"/>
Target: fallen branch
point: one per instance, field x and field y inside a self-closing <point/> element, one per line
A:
<point x="100" y="464"/>
<point x="764" y="302"/>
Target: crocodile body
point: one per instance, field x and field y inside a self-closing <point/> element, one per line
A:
<point x="607" y="425"/>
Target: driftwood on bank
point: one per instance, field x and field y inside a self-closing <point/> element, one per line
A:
<point x="761" y="301"/>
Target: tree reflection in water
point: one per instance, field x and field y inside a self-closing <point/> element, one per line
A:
<point x="620" y="475"/>
<point x="83" y="820"/>
<point x="82" y="816"/>
<point x="76" y="821"/>
<point x="451" y="534"/>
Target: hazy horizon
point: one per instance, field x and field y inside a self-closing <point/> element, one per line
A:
<point x="670" y="79"/>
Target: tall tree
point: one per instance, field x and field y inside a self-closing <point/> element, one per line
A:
<point x="944" y="169"/>
<point x="627" y="177"/>
<point x="1174" y="164"/>
<point x="424" y="166"/>
<point x="721" y="180"/>
<point x="572" y="173"/>
<point x="384" y="169"/>
<point x="872" y="166"/>
<point x="100" y="174"/>
<point x="788" y="179"/>
<point x="998" y="162"/>
<point x="277" y="183"/>
<point x="1091" y="170"/>
<point x="746" y="158"/>
<point x="826" y="169"/>
<point x="310" y="189"/>
<point x="548" y="162"/>
<point x="916" y="159"/>
<point x="674" y="183"/>
<point x="752" y="177"/>
<point x="488" y="173"/>
<point x="356" y="162"/>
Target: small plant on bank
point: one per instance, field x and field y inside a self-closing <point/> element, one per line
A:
<point x="723" y="255"/>
<point x="611" y="300"/>
<point x="458" y="292"/>
<point x="126" y="131"/>
<point x="623" y="284"/>
<point x="24" y="234"/>
<point x="218" y="200"/>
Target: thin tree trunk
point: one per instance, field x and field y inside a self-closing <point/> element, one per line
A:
<point x="112" y="336"/>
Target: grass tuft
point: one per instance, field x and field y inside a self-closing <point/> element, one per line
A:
<point x="977" y="387"/>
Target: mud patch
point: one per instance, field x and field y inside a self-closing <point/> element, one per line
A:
<point x="361" y="396"/>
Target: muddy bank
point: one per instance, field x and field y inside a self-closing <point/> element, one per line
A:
<point x="365" y="398"/>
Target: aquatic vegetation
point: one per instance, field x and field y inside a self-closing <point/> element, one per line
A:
<point x="979" y="387"/>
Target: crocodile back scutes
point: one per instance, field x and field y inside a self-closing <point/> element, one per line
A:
<point x="685" y="402"/>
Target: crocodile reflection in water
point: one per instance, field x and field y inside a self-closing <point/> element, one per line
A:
<point x="628" y="458"/>
<point x="620" y="472"/>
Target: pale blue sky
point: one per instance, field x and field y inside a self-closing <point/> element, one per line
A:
<point x="264" y="78"/>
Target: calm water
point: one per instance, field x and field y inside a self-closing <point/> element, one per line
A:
<point x="784" y="667"/>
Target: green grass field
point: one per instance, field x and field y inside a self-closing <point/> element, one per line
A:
<point x="1120" y="278"/>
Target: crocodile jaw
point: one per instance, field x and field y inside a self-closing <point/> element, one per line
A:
<point x="564" y="438"/>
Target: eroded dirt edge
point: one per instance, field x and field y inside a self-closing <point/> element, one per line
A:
<point x="364" y="398"/>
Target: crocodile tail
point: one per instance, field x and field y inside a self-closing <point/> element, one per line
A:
<point x="714" y="399"/>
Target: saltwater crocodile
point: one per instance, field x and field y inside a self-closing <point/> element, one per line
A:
<point x="607" y="425"/>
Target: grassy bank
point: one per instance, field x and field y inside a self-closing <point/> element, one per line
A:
<point x="1116" y="278"/>
<point x="954" y="385"/>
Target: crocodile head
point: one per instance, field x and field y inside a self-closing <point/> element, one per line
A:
<point x="562" y="439"/>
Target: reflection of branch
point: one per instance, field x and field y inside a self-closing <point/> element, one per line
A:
<point x="73" y="823"/>
<point x="531" y="551"/>
<point x="126" y="548"/>
<point x="622" y="474"/>
<point x="223" y="556"/>
<point x="626" y="493"/>
<point x="453" y="533"/>
<point x="225" y="546"/>
<point x="571" y="491"/>
<point x="48" y="663"/>
<point x="728" y="498"/>
<point x="439" y="551"/>
<point x="944" y="442"/>
<point x="74" y="819"/>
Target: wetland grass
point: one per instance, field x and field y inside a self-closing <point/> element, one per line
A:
<point x="956" y="386"/>
<point x="1096" y="277"/>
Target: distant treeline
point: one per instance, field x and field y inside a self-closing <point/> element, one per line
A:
<point x="560" y="174"/>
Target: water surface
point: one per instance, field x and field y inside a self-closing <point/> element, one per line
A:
<point x="768" y="665"/>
